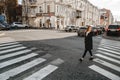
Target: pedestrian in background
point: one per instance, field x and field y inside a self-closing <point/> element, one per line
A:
<point x="88" y="43"/>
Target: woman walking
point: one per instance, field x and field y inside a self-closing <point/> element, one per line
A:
<point x="88" y="43"/>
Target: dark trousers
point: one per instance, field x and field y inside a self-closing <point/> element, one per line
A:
<point x="86" y="52"/>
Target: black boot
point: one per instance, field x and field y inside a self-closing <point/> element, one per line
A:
<point x="91" y="58"/>
<point x="81" y="59"/>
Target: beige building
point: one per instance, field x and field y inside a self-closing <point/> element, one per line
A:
<point x="59" y="13"/>
<point x="106" y="17"/>
<point x="92" y="14"/>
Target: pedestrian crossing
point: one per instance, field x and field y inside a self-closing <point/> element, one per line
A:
<point x="110" y="51"/>
<point x="42" y="73"/>
<point x="107" y="61"/>
<point x="104" y="72"/>
<point x="16" y="59"/>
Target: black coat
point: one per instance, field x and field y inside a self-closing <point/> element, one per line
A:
<point x="89" y="41"/>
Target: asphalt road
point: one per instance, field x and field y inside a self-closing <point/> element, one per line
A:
<point x="60" y="49"/>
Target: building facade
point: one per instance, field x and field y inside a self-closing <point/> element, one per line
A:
<point x="11" y="10"/>
<point x="19" y="13"/>
<point x="106" y="17"/>
<point x="59" y="13"/>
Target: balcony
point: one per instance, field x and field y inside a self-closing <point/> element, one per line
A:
<point x="39" y="14"/>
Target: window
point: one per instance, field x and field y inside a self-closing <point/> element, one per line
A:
<point x="113" y="27"/>
<point x="48" y="8"/>
<point x="78" y="14"/>
<point x="40" y="9"/>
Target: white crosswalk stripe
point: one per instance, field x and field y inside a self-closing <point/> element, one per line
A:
<point x="42" y="73"/>
<point x="114" y="52"/>
<point x="104" y="72"/>
<point x="10" y="46"/>
<point x="16" y="60"/>
<point x="114" y="47"/>
<point x="6" y="44"/>
<point x="108" y="56"/>
<point x="109" y="45"/>
<point x="12" y="52"/>
<point x="17" y="70"/>
<point x="110" y="48"/>
<point x="112" y="66"/>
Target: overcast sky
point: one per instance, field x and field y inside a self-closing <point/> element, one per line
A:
<point x="19" y="1"/>
<point x="113" y="5"/>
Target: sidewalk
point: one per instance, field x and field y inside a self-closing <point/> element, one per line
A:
<point x="2" y="34"/>
<point x="117" y="38"/>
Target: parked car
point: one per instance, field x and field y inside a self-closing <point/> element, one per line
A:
<point x="71" y="28"/>
<point x="19" y="25"/>
<point x="81" y="31"/>
<point x="113" y="30"/>
<point x="4" y="26"/>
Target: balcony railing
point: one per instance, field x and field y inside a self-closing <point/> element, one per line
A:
<point x="39" y="14"/>
<point x="45" y="14"/>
